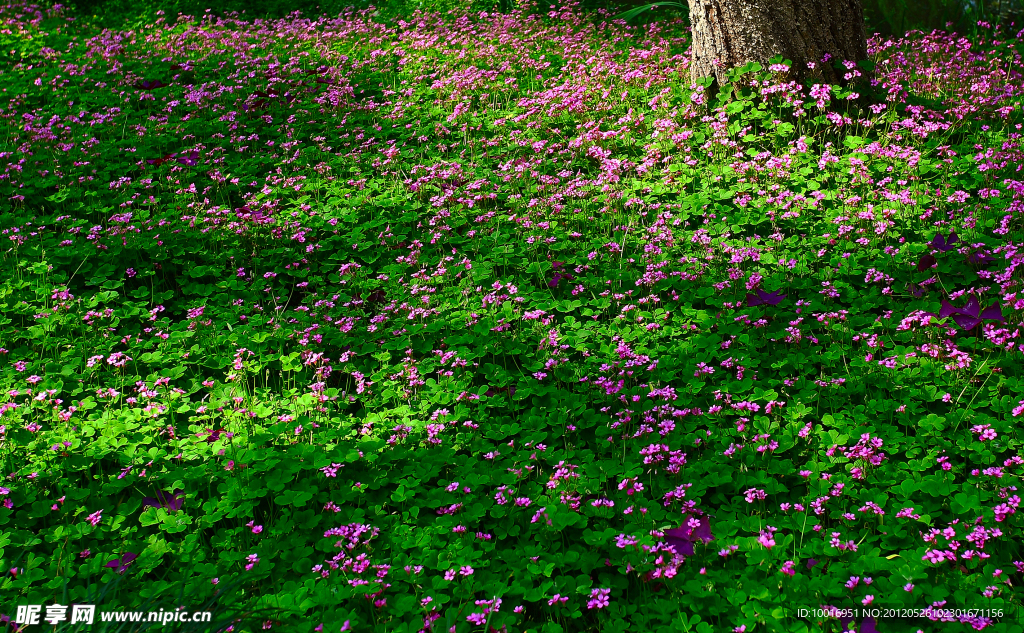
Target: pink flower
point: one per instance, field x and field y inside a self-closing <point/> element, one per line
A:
<point x="558" y="598"/>
<point x="95" y="517"/>
<point x="753" y="494"/>
<point x="598" y="598"/>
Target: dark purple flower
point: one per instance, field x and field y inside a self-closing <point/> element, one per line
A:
<point x="191" y="160"/>
<point x="557" y="267"/>
<point x="171" y="501"/>
<point x="971" y="315"/>
<point x="159" y="161"/>
<point x="214" y="435"/>
<point x="811" y="563"/>
<point x="152" y="85"/>
<point x="980" y="258"/>
<point x="121" y="564"/>
<point x="764" y="298"/>
<point x="557" y="278"/>
<point x="943" y="244"/>
<point x="927" y="261"/>
<point x="684" y="536"/>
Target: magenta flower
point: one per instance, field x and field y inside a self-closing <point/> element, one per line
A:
<point x="95" y="517"/>
<point x="599" y="598"/>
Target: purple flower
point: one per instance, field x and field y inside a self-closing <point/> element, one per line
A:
<point x="980" y="258"/>
<point x="765" y="298"/>
<point x="927" y="261"/>
<point x="160" y="161"/>
<point x="683" y="537"/>
<point x="191" y="160"/>
<point x="213" y="434"/>
<point x="121" y="564"/>
<point x="558" y="266"/>
<point x="811" y="563"/>
<point x="943" y="244"/>
<point x="971" y="315"/>
<point x="171" y="501"/>
<point x="599" y="598"/>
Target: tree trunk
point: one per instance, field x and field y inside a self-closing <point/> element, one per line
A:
<point x="729" y="33"/>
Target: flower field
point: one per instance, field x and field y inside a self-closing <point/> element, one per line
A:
<point x="494" y="322"/>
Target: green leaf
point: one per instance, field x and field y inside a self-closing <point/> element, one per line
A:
<point x="632" y="13"/>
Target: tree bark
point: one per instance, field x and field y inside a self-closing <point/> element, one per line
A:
<point x="729" y="33"/>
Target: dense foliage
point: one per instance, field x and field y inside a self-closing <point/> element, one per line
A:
<point x="494" y="323"/>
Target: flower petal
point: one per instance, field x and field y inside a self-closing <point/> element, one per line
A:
<point x="966" y="321"/>
<point x="972" y="308"/>
<point x="927" y="261"/>
<point x="993" y="313"/>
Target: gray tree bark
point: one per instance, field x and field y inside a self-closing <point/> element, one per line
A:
<point x="729" y="33"/>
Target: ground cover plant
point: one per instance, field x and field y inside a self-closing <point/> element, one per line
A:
<point x="490" y="322"/>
